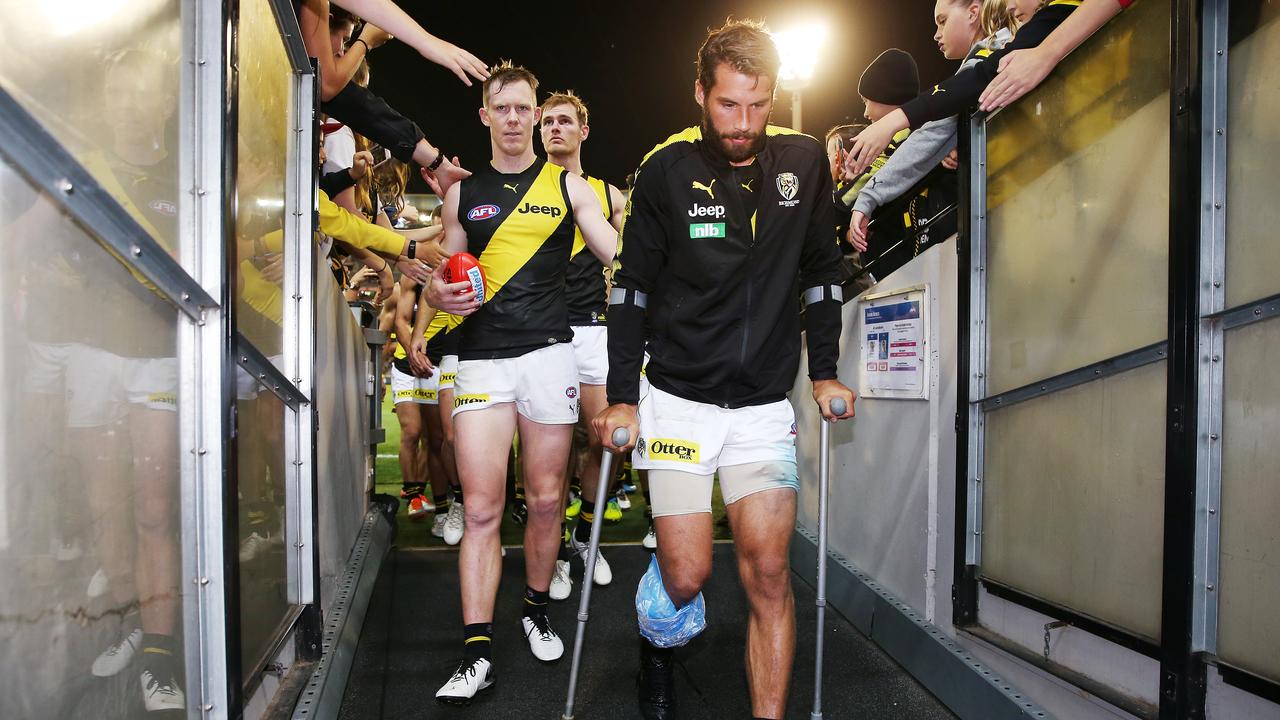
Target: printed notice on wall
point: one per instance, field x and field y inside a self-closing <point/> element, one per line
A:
<point x="893" y="338"/>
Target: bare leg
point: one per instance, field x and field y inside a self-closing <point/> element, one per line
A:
<point x="483" y="438"/>
<point x="98" y="452"/>
<point x="762" y="524"/>
<point x="544" y="450"/>
<point x="155" y="479"/>
<point x="594" y="402"/>
<point x="410" y="417"/>
<point x="684" y="554"/>
<point x="434" y="434"/>
<point x="448" y="441"/>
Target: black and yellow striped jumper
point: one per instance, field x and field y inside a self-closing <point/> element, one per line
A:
<point x="520" y="227"/>
<point x="585" y="285"/>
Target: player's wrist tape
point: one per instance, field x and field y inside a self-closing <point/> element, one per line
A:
<point x="626" y="296"/>
<point x="818" y="293"/>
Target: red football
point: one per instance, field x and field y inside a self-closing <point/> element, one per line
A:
<point x="463" y="267"/>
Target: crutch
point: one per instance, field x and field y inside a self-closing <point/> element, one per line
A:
<point x="838" y="408"/>
<point x="620" y="437"/>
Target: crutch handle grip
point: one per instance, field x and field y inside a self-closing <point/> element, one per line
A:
<point x="622" y="436"/>
<point x="838" y="406"/>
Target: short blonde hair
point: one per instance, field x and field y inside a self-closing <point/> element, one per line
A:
<point x="567" y="98"/>
<point x="507" y="72"/>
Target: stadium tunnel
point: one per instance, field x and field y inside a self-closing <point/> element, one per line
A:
<point x="1059" y="502"/>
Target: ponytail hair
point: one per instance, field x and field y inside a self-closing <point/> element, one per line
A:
<point x="994" y="15"/>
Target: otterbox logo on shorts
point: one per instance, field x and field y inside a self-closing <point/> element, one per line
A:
<point x="448" y="377"/>
<point x="674" y="450"/>
<point x="461" y="400"/>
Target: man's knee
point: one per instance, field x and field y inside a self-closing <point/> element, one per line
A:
<point x="481" y="515"/>
<point x="410" y="434"/>
<point x="542" y="503"/>
<point x="766" y="577"/>
<point x="684" y="580"/>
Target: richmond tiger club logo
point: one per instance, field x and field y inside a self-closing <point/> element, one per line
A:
<point x="788" y="186"/>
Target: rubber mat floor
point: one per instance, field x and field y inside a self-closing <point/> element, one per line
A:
<point x="412" y="641"/>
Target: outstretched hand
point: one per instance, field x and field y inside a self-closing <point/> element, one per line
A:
<point x="858" y="224"/>
<point x="453" y="58"/>
<point x="872" y="141"/>
<point x="1020" y="72"/>
<point x="443" y="177"/>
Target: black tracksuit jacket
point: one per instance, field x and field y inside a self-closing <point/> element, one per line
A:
<point x="723" y="284"/>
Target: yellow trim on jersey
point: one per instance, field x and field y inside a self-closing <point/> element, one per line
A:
<point x="1072" y="3"/>
<point x="692" y="134"/>
<point x="602" y="192"/>
<point x="521" y="235"/>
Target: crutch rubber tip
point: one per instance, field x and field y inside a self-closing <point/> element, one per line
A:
<point x="838" y="406"/>
<point x="621" y="436"/>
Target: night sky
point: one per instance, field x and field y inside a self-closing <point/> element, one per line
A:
<point x="633" y="63"/>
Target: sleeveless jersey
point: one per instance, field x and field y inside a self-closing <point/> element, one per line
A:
<point x="520" y="227"/>
<point x="586" y="290"/>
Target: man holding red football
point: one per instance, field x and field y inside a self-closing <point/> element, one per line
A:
<point x="516" y="367"/>
<point x="728" y="229"/>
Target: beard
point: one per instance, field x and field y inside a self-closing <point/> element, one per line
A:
<point x="723" y="146"/>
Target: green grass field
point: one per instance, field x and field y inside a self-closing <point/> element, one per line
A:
<point x="630" y="529"/>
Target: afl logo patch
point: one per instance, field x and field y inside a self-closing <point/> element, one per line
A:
<point x="483" y="212"/>
<point x="164" y="208"/>
<point x="640" y="446"/>
<point x="571" y="392"/>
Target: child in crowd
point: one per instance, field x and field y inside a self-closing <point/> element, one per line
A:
<point x="963" y="90"/>
<point x="968" y="30"/>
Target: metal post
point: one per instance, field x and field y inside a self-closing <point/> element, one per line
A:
<point x="1182" y="671"/>
<point x="211" y="632"/>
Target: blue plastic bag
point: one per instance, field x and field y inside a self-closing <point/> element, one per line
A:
<point x="660" y="622"/>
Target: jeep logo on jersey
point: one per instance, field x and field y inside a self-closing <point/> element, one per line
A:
<point x="674" y="450"/>
<point x="540" y="209"/>
<point x="788" y="185"/>
<point x="715" y="211"/>
<point x="699" y="231"/>
<point x="483" y="212"/>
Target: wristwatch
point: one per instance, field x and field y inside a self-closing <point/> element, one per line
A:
<point x="413" y="249"/>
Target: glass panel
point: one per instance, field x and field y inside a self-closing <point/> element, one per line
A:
<point x="265" y="88"/>
<point x="103" y="78"/>
<point x="1249" y="573"/>
<point x="90" y="553"/>
<point x="1078" y="208"/>
<point x="260" y="474"/>
<point x="1253" y="104"/>
<point x="1073" y="498"/>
